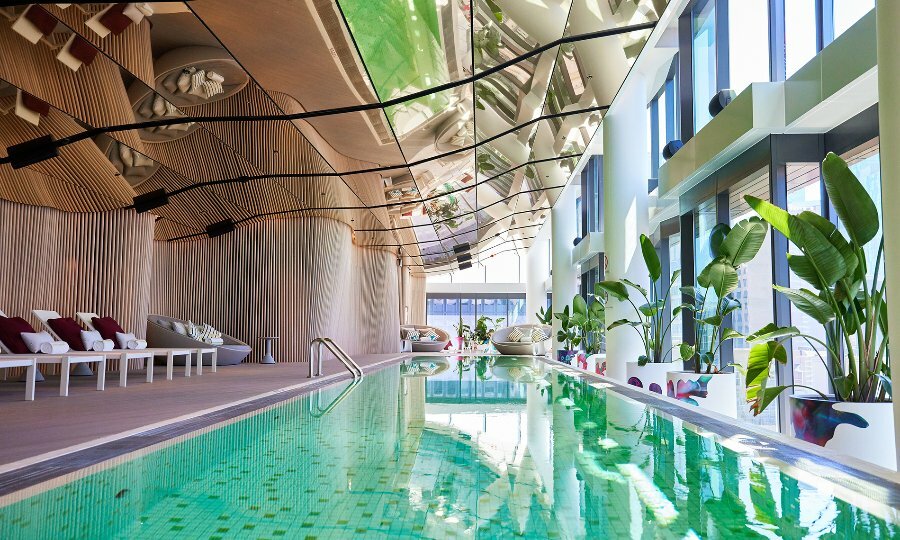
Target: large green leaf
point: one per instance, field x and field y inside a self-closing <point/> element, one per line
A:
<point x="720" y="275"/>
<point x="716" y="236"/>
<point x="764" y="397"/>
<point x="853" y="204"/>
<point x="801" y="266"/>
<point x="635" y="286"/>
<point x="808" y="302"/>
<point x="616" y="289"/>
<point x="827" y="260"/>
<point x="686" y="351"/>
<point x="579" y="306"/>
<point x="651" y="258"/>
<point x="621" y="322"/>
<point x="772" y="331"/>
<point x="776" y="217"/>
<point x="744" y="240"/>
<point x="830" y="231"/>
<point x="760" y="360"/>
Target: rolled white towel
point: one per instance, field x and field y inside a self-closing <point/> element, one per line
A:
<point x="54" y="347"/>
<point x="104" y="345"/>
<point x="122" y="339"/>
<point x="137" y="344"/>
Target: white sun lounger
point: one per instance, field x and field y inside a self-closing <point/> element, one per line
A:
<point x="21" y="360"/>
<point x="65" y="361"/>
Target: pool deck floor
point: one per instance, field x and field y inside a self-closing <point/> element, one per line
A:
<point x="50" y="423"/>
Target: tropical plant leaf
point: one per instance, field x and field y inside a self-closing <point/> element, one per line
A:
<point x="713" y="320"/>
<point x="744" y="240"/>
<point x="773" y="215"/>
<point x="635" y="286"/>
<point x="729" y="304"/>
<point x="731" y="333"/>
<point x="763" y="397"/>
<point x="686" y="351"/>
<point x="853" y="204"/>
<point x="801" y="266"/>
<point x="719" y="275"/>
<point x="760" y="360"/>
<point x="675" y="275"/>
<point x="772" y="331"/>
<point x="716" y="236"/>
<point x="808" y="302"/>
<point x="579" y="306"/>
<point x="833" y="235"/>
<point x="651" y="258"/>
<point x="616" y="289"/>
<point x="694" y="293"/>
<point x="643" y="360"/>
<point x="621" y="322"/>
<point x="651" y="309"/>
<point x="886" y="383"/>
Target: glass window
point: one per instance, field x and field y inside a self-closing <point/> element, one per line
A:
<point x="754" y="291"/>
<point x="799" y="34"/>
<point x="748" y="42"/>
<point x="516" y="312"/>
<point x="804" y="193"/>
<point x="442" y="312"/>
<point x="847" y="12"/>
<point x="704" y="221"/>
<point x="677" y="329"/>
<point x="704" y="61"/>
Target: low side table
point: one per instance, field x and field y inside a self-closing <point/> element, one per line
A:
<point x="269" y="343"/>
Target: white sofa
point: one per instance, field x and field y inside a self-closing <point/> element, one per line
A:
<point x="529" y="348"/>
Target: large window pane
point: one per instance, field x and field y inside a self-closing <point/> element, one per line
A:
<point x="704" y="61"/>
<point x="748" y="42"/>
<point x="516" y="312"/>
<point x="704" y="220"/>
<point x="800" y="33"/>
<point x="847" y="12"/>
<point x="677" y="329"/>
<point x="442" y="313"/>
<point x="754" y="292"/>
<point x="804" y="194"/>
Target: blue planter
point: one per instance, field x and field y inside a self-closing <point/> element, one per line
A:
<point x="565" y="356"/>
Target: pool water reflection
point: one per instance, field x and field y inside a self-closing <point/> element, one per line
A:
<point x="462" y="447"/>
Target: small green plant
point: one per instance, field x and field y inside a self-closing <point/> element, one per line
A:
<point x="651" y="321"/>
<point x="462" y="330"/>
<point x="545" y="316"/>
<point x="590" y="318"/>
<point x="485" y="328"/>
<point x="569" y="333"/>
<point x="731" y="248"/>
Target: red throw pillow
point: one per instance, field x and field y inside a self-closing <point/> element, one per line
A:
<point x="69" y="331"/>
<point x="107" y="326"/>
<point x="11" y="329"/>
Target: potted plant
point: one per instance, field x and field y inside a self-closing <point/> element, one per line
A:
<point x="484" y="329"/>
<point x="855" y="415"/>
<point x="569" y="336"/>
<point x="713" y="301"/>
<point x="462" y="334"/>
<point x="590" y="318"/>
<point x="651" y="321"/>
<point x="545" y="316"/>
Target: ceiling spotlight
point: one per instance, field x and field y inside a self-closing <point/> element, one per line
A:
<point x="465" y="266"/>
<point x="220" y="228"/>
<point x="148" y="201"/>
<point x="461" y="248"/>
<point x="464" y="258"/>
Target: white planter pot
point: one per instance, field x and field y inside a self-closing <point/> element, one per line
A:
<point x="596" y="363"/>
<point x="650" y="377"/>
<point x="861" y="430"/>
<point x="715" y="392"/>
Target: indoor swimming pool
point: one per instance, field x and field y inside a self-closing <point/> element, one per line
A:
<point x="464" y="447"/>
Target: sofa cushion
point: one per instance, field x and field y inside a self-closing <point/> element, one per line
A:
<point x="11" y="329"/>
<point x="515" y="335"/>
<point x="69" y="331"/>
<point x="430" y="334"/>
<point x="538" y="335"/>
<point x="107" y="326"/>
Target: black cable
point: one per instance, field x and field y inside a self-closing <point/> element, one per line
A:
<point x="354" y="108"/>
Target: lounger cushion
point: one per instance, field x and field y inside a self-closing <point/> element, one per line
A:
<point x="34" y="340"/>
<point x="11" y="329"/>
<point x="69" y="331"/>
<point x="107" y="326"/>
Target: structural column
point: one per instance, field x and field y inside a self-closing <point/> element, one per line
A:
<point x="626" y="169"/>
<point x="563" y="230"/>
<point x="537" y="265"/>
<point x="887" y="17"/>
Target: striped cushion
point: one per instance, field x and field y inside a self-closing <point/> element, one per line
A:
<point x="515" y="335"/>
<point x="412" y="335"/>
<point x="430" y="335"/>
<point x="538" y="335"/>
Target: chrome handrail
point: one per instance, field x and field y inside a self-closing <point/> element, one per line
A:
<point x="315" y="357"/>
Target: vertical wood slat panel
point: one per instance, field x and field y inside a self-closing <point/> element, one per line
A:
<point x="294" y="278"/>
<point x="71" y="262"/>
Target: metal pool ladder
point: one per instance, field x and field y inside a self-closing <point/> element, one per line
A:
<point x="315" y="357"/>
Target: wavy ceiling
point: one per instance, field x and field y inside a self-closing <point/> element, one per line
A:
<point x="480" y="162"/>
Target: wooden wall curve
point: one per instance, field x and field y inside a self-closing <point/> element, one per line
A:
<point x="293" y="278"/>
<point x="72" y="262"/>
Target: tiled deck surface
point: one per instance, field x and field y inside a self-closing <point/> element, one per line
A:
<point x="51" y="422"/>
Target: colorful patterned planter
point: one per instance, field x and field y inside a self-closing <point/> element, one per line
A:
<point x="715" y="392"/>
<point x="565" y="356"/>
<point x="650" y="377"/>
<point x="862" y="430"/>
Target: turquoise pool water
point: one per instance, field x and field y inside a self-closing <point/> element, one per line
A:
<point x="500" y="448"/>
